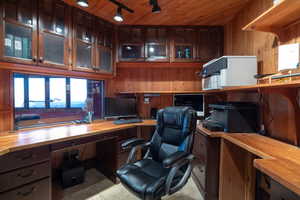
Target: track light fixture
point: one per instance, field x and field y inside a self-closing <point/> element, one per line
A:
<point x="83" y="3"/>
<point x="118" y="17"/>
<point x="155" y="7"/>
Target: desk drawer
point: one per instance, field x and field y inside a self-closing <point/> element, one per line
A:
<point x="24" y="158"/>
<point x="23" y="176"/>
<point x="36" y="191"/>
<point x="84" y="140"/>
<point x="200" y="146"/>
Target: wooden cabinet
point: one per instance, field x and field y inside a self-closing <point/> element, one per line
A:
<point x="26" y="174"/>
<point x="209" y="43"/>
<point x="50" y="33"/>
<point x="83" y="41"/>
<point x="169" y="44"/>
<point x="206" y="165"/>
<point x="54" y="48"/>
<point x="131" y="44"/>
<point x="156" y="44"/>
<point x="104" y="35"/>
<point x="184" y="45"/>
<point x="18" y="37"/>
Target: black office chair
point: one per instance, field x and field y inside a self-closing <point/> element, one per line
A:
<point x="167" y="164"/>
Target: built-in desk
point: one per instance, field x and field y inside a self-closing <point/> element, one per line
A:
<point x="25" y="155"/>
<point x="241" y="154"/>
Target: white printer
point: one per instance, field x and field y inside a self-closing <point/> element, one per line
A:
<point x="229" y="71"/>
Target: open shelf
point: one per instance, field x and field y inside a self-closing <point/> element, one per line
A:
<point x="277" y="18"/>
<point x="224" y="90"/>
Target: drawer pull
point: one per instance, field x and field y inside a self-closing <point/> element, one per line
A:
<point x="32" y="189"/>
<point x="26" y="156"/>
<point x="25" y="175"/>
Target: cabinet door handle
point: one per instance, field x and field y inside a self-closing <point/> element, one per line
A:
<point x="41" y="59"/>
<point x="34" y="58"/>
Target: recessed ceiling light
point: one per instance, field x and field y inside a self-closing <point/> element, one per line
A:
<point x="118" y="17"/>
<point x="83" y="3"/>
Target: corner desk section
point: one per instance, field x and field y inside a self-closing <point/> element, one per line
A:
<point x="25" y="156"/>
<point x="241" y="154"/>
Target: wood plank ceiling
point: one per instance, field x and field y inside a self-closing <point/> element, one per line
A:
<point x="174" y="12"/>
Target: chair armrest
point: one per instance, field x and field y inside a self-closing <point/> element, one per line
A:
<point x="175" y="158"/>
<point x="132" y="143"/>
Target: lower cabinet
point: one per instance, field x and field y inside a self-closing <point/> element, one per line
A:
<point x="206" y="165"/>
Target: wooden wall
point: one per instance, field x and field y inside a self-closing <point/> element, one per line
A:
<point x="6" y="104"/>
<point x="154" y="77"/>
<point x="278" y="111"/>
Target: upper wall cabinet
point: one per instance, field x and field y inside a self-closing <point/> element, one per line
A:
<point x="54" y="48"/>
<point x="83" y="41"/>
<point x="209" y="43"/>
<point x="157" y="44"/>
<point x="104" y="46"/>
<point x="184" y="44"/>
<point x="18" y="27"/>
<point x="131" y="44"/>
<point x="165" y="44"/>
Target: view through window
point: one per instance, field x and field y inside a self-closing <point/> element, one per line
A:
<point x="40" y="100"/>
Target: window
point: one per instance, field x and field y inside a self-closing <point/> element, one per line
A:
<point x="40" y="100"/>
<point x="58" y="88"/>
<point x="19" y="92"/>
<point x="37" y="98"/>
<point x="78" y="88"/>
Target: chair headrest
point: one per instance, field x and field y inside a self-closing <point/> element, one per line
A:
<point x="173" y="117"/>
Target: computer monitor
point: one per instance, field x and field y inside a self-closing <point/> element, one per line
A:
<point x="195" y="101"/>
<point x="117" y="107"/>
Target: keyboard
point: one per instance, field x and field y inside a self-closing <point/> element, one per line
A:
<point x="127" y="121"/>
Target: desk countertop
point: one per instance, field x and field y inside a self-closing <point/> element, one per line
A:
<point x="24" y="139"/>
<point x="279" y="160"/>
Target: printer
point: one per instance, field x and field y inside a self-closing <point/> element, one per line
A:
<point x="228" y="71"/>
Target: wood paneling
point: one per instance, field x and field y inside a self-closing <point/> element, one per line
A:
<point x="154" y="79"/>
<point x="278" y="108"/>
<point x="6" y="102"/>
<point x="237" y="174"/>
<point x="179" y="12"/>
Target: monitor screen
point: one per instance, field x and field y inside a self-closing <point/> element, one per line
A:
<point x="120" y="107"/>
<point x="195" y="101"/>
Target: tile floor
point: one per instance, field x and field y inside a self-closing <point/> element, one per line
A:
<point x="97" y="187"/>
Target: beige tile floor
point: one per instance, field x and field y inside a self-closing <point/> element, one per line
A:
<point x="97" y="187"/>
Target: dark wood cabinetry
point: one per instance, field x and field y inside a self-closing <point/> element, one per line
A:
<point x="156" y="44"/>
<point x="210" y="42"/>
<point x="83" y="40"/>
<point x="18" y="37"/>
<point x="131" y="44"/>
<point x="50" y="33"/>
<point x="26" y="174"/>
<point x="206" y="165"/>
<point x="175" y="44"/>
<point x="184" y="44"/>
<point x="54" y="47"/>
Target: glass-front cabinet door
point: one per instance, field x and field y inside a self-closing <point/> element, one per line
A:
<point x="131" y="41"/>
<point x="156" y="46"/>
<point x="183" y="44"/>
<point x="83" y="51"/>
<point x="104" y="47"/>
<point x="53" y="33"/>
<point x="19" y="31"/>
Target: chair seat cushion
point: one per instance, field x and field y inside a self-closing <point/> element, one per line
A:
<point x="145" y="178"/>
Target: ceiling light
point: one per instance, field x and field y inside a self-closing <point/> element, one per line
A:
<point x="118" y="17"/>
<point x="156" y="8"/>
<point x="83" y="3"/>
